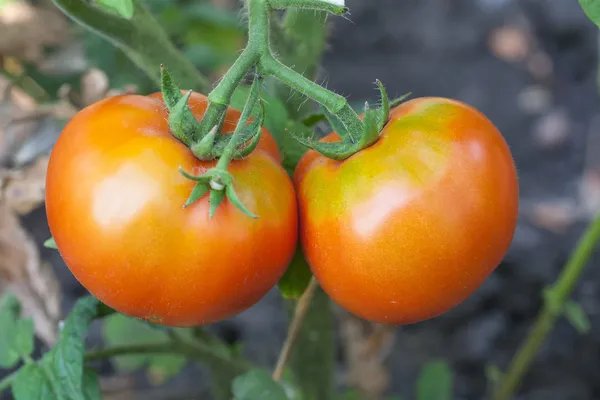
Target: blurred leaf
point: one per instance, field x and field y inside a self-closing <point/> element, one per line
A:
<point x="296" y="278"/>
<point x="25" y="337"/>
<point x="292" y="149"/>
<point x="577" y="317"/>
<point x="275" y="112"/>
<point x="9" y="314"/>
<point x="210" y="36"/>
<point x="120" y="330"/>
<point x="50" y="244"/>
<point x="91" y="385"/>
<point x="67" y="355"/>
<point x="351" y="395"/>
<point x="435" y="382"/>
<point x="31" y="383"/>
<point x="120" y="70"/>
<point x="257" y="384"/>
<point x="299" y="51"/>
<point x="592" y="10"/>
<point x="123" y="8"/>
<point x="164" y="367"/>
<point x="493" y="374"/>
<point x="313" y="356"/>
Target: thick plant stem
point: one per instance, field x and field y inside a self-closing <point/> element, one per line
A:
<point x="554" y="302"/>
<point x="299" y="314"/>
<point x="141" y="38"/>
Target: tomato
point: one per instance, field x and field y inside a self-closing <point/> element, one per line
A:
<point x="114" y="199"/>
<point x="198" y="104"/>
<point x="409" y="227"/>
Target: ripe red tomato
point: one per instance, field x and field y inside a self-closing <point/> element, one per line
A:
<point x="408" y="228"/>
<point x="114" y="200"/>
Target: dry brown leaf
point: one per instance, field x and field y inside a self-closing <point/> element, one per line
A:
<point x="25" y="30"/>
<point x="366" y="346"/>
<point x="23" y="273"/>
<point x="25" y="190"/>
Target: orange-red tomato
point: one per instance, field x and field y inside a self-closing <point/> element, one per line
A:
<point x="408" y="228"/>
<point x="114" y="199"/>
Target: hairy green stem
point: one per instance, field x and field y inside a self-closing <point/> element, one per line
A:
<point x="258" y="53"/>
<point x="141" y="38"/>
<point x="552" y="309"/>
<point x="317" y="5"/>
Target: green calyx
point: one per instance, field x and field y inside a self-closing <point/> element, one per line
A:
<point x="186" y="128"/>
<point x="374" y="120"/>
<point x="218" y="181"/>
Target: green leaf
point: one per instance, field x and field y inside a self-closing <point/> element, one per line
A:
<point x="351" y="395"/>
<point x="312" y="360"/>
<point x="9" y="325"/>
<point x="296" y="278"/>
<point x="50" y="244"/>
<point x="291" y="149"/>
<point x="31" y="383"/>
<point x="577" y="317"/>
<point x="120" y="330"/>
<point x="25" y="337"/>
<point x="67" y="355"/>
<point x="123" y="8"/>
<point x="435" y="382"/>
<point x="257" y="384"/>
<point x="163" y="367"/>
<point x="91" y="385"/>
<point x="276" y="116"/>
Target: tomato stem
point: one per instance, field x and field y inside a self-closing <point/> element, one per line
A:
<point x="300" y="312"/>
<point x="258" y="53"/>
<point x="554" y="305"/>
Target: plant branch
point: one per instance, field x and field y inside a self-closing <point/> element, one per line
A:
<point x="141" y="38"/>
<point x="302" y="308"/>
<point x="553" y="307"/>
<point x="317" y="5"/>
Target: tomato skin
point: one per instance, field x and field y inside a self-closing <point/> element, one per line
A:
<point x="114" y="200"/>
<point x="408" y="228"/>
<point x="198" y="104"/>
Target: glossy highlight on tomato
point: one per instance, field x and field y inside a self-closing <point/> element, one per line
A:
<point x="408" y="228"/>
<point x="114" y="199"/>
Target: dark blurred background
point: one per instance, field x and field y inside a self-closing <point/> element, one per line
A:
<point x="531" y="67"/>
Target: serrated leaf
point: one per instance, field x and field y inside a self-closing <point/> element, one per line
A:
<point x="296" y="278"/>
<point x="123" y="8"/>
<point x="435" y="382"/>
<point x="25" y="337"/>
<point x="257" y="384"/>
<point x="67" y="355"/>
<point x="50" y="244"/>
<point x="91" y="385"/>
<point x="31" y="383"/>
<point x="577" y="316"/>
